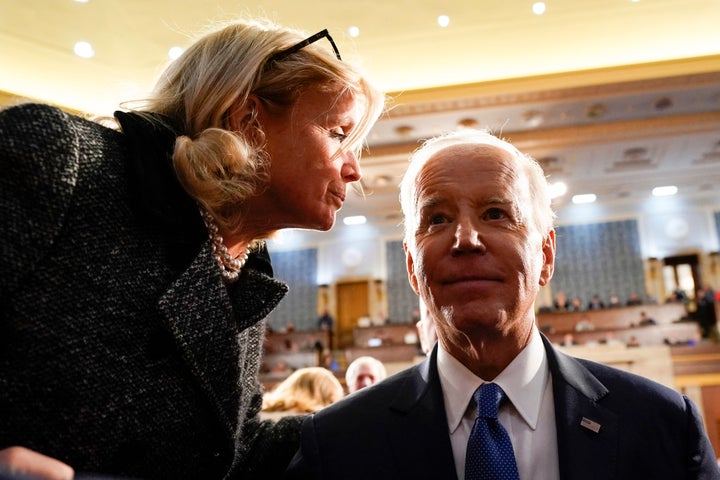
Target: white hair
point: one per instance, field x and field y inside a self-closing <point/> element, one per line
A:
<point x="543" y="214"/>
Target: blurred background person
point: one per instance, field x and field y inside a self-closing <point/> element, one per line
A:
<point x="364" y="372"/>
<point x="306" y="390"/>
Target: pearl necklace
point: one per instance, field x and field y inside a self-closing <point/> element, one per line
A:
<point x="229" y="266"/>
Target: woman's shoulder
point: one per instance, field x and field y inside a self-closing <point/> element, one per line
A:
<point x="40" y="127"/>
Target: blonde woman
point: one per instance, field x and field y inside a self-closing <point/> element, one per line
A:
<point x="135" y="279"/>
<point x="306" y="390"/>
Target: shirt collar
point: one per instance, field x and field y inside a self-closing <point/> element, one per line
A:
<point x="523" y="381"/>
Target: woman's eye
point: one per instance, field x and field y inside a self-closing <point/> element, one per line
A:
<point x="338" y="135"/>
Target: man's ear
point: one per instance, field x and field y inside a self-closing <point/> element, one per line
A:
<point x="410" y="265"/>
<point x="241" y="115"/>
<point x="548" y="249"/>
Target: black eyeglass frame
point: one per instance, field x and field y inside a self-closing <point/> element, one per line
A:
<point x="276" y="57"/>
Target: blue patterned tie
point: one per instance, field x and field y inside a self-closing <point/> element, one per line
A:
<point x="489" y="453"/>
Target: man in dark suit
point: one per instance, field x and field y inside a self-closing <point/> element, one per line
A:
<point x="479" y="244"/>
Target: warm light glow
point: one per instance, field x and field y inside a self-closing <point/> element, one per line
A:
<point x="443" y="21"/>
<point x="355" y="220"/>
<point x="664" y="191"/>
<point x="538" y="8"/>
<point x="354" y="31"/>
<point x="84" y="50"/>
<point x="557" y="189"/>
<point x="584" y="198"/>
<point x="175" y="52"/>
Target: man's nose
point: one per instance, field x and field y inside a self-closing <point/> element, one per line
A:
<point x="467" y="238"/>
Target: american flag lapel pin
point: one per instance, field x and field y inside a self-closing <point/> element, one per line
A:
<point x="590" y="424"/>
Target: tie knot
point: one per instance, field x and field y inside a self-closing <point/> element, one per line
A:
<point x="488" y="397"/>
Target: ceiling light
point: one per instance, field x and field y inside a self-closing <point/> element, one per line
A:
<point x="584" y="198"/>
<point x="443" y="20"/>
<point x="354" y="31"/>
<point x="664" y="191"/>
<point x="538" y="8"/>
<point x="558" y="189"/>
<point x="355" y="220"/>
<point x="175" y="52"/>
<point x="84" y="50"/>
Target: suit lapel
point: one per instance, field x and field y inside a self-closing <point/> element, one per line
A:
<point x="420" y="439"/>
<point x="587" y="432"/>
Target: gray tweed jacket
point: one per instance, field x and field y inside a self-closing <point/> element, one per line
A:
<point x="121" y="350"/>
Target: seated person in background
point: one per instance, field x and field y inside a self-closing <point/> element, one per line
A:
<point x="595" y="303"/>
<point x="568" y="340"/>
<point x="634" y="299"/>
<point x="329" y="361"/>
<point x="363" y="372"/>
<point x="325" y="321"/>
<point x="614" y="301"/>
<point x="306" y="390"/>
<point x="645" y="320"/>
<point x="585" y="324"/>
<point x="633" y="342"/>
<point x="576" y="305"/>
<point x="561" y="302"/>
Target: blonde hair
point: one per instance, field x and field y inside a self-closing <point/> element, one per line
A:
<point x="214" y="77"/>
<point x="306" y="390"/>
<point x="542" y="212"/>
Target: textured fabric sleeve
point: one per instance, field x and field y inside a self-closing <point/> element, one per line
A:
<point x="39" y="165"/>
<point x="700" y="456"/>
<point x="275" y="446"/>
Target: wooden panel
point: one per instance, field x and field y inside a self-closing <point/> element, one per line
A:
<point x="711" y="410"/>
<point x="622" y="317"/>
<point x="352" y="303"/>
<point x="393" y="333"/>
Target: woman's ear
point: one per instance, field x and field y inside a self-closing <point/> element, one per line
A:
<point x="243" y="114"/>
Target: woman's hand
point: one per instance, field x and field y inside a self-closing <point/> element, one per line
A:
<point x="19" y="463"/>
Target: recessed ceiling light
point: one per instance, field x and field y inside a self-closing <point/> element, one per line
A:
<point x="84" y="50"/>
<point x="175" y="52"/>
<point x="584" y="198"/>
<point x="558" y="189"/>
<point x="664" y="191"/>
<point x="355" y="220"/>
<point x="354" y="31"/>
<point x="538" y="8"/>
<point x="443" y="21"/>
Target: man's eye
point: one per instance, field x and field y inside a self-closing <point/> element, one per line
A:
<point x="494" y="214"/>
<point x="437" y="219"/>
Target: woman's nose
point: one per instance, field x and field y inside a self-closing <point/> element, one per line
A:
<point x="351" y="167"/>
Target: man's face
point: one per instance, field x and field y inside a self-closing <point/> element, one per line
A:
<point x="366" y="377"/>
<point x="478" y="259"/>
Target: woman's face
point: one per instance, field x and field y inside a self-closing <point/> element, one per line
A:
<point x="308" y="176"/>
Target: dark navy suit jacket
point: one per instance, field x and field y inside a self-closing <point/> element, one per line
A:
<point x="398" y="429"/>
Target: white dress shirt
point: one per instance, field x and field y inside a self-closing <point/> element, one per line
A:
<point x="528" y="417"/>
